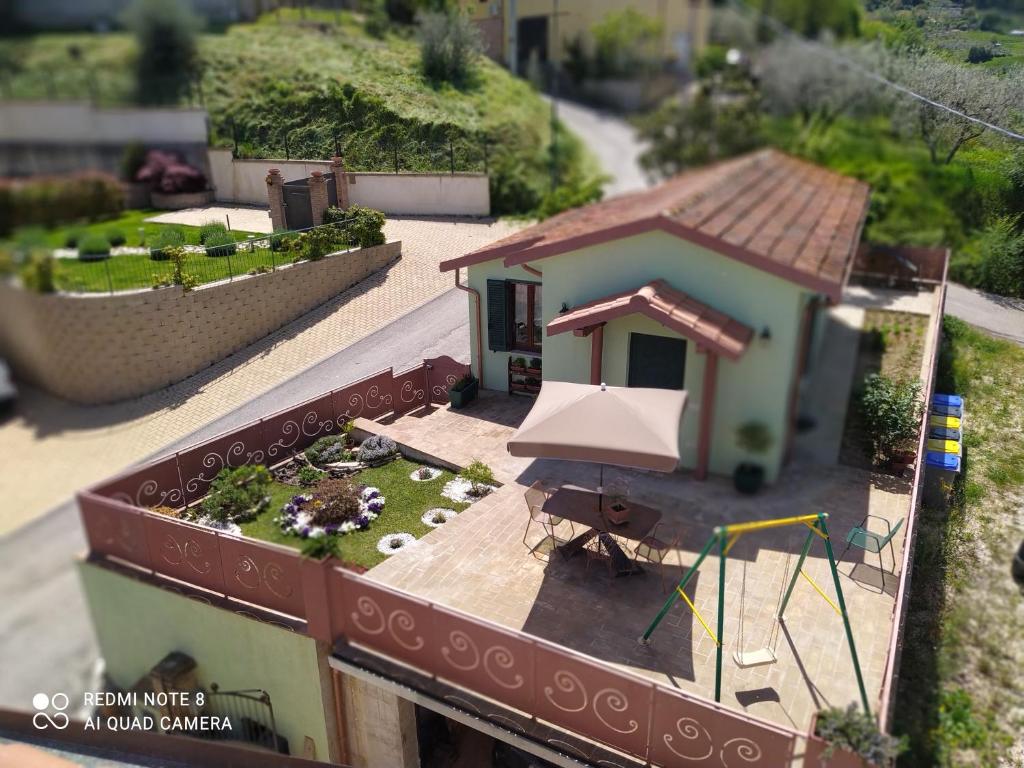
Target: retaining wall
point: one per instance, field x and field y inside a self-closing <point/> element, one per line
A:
<point x="421" y="194"/>
<point x="95" y="349"/>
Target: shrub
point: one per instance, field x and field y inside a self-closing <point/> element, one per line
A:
<point x="237" y="494"/>
<point x="221" y="244"/>
<point x="328" y="450"/>
<point x="49" y="201"/>
<point x="754" y="437"/>
<point x="357" y="225"/>
<point x="167" y="239"/>
<point x="1001" y="257"/>
<point x="335" y="501"/>
<point x="165" y="34"/>
<point x="132" y="159"/>
<point x="857" y="731"/>
<point x="892" y="412"/>
<point x="282" y="242"/>
<point x="209" y="229"/>
<point x="377" y="22"/>
<point x="979" y="54"/>
<point x="377" y="448"/>
<point x="166" y="511"/>
<point x="480" y="477"/>
<point x="72" y="237"/>
<point x="168" y="173"/>
<point x="308" y="476"/>
<point x="449" y="45"/>
<point x="37" y="275"/>
<point x="535" y="362"/>
<point x="179" y="276"/>
<point x="626" y="44"/>
<point x="320" y="547"/>
<point x="318" y="242"/>
<point x="464" y="381"/>
<point x="93" y="245"/>
<point x="115" y="237"/>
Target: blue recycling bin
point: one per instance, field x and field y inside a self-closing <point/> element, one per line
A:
<point x="940" y="473"/>
<point x="954" y="400"/>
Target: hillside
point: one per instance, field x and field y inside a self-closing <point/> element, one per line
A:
<point x="290" y="85"/>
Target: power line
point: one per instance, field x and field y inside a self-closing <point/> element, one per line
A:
<point x="872" y="75"/>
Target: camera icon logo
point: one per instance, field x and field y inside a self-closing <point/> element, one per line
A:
<point x="43" y="719"/>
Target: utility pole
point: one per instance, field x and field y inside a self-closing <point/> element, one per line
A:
<point x="554" y="96"/>
<point x="512" y="20"/>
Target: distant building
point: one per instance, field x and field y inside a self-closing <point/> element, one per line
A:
<point x="104" y="14"/>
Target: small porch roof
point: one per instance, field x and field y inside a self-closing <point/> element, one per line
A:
<point x="671" y="308"/>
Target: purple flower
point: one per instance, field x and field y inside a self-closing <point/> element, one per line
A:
<point x="298" y="500"/>
<point x="375" y="506"/>
<point x="373" y="494"/>
<point x="290" y="509"/>
<point x="306" y="530"/>
<point x="331" y="529"/>
<point x="362" y="521"/>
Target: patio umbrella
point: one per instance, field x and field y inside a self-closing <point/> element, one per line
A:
<point x="625" y="426"/>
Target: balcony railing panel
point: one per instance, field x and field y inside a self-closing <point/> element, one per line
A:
<point x="410" y="389"/>
<point x="199" y="466"/>
<point x="442" y="372"/>
<point x="388" y="621"/>
<point x="288" y="432"/>
<point x="186" y="552"/>
<point x="114" y="529"/>
<point x="156" y="484"/>
<point x="262" y="574"/>
<point x="367" y="398"/>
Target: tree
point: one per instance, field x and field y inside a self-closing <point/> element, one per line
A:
<point x="449" y="45"/>
<point x="626" y="44"/>
<point x="811" y="18"/>
<point x="974" y="92"/>
<point x="167" y="58"/>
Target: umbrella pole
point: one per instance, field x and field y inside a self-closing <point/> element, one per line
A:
<point x="600" y="490"/>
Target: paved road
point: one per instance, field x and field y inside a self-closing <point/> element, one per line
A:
<point x="46" y="639"/>
<point x="612" y="140"/>
<point x="999" y="315"/>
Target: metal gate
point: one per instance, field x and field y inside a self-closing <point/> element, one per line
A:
<point x="298" y="214"/>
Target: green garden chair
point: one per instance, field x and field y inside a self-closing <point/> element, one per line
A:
<point x="869" y="541"/>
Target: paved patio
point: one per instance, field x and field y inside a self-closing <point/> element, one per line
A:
<point x="478" y="563"/>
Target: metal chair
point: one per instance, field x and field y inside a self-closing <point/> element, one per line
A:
<point x="655" y="547"/>
<point x="869" y="541"/>
<point x="535" y="497"/>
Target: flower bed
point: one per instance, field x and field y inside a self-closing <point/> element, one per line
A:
<point x="297" y="518"/>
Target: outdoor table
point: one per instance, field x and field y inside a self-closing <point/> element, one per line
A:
<point x="582" y="506"/>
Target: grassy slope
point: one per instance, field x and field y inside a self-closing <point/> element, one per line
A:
<point x="960" y="696"/>
<point x="406" y="501"/>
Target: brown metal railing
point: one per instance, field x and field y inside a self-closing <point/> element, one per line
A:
<point x="900" y="266"/>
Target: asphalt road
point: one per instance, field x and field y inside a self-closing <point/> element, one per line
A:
<point x="46" y="638"/>
<point x="999" y="315"/>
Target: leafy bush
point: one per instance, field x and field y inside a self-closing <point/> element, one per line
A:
<point x="754" y="437"/>
<point x="318" y="242"/>
<point x="280" y="241"/>
<point x="465" y="381"/>
<point x="626" y="44"/>
<point x="37" y="275"/>
<point x="221" y="244"/>
<point x="362" y="226"/>
<point x="449" y="45"/>
<point x="335" y="501"/>
<point x="49" y="201"/>
<point x="480" y="476"/>
<point x="328" y="450"/>
<point x="178" y="276"/>
<point x="857" y="732"/>
<point x="72" y="237"/>
<point x="168" y="173"/>
<point x="377" y="23"/>
<point x="237" y="494"/>
<point x="979" y="54"/>
<point x="166" y="239"/>
<point x="93" y="245"/>
<point x="1001" y="257"/>
<point x="377" y="448"/>
<point x="209" y="229"/>
<point x="308" y="476"/>
<point x="320" y="547"/>
<point x="892" y="412"/>
<point x="168" y="57"/>
<point x="115" y="237"/>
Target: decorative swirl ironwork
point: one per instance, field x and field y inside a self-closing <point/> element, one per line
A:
<point x="441" y="390"/>
<point x="116" y="534"/>
<point x="367" y="608"/>
<point x="214" y="460"/>
<point x="691" y="731"/>
<point x="407" y="387"/>
<point x="274" y="578"/>
<point x="616" y="701"/>
<point x="460" y="642"/>
<point x="371" y="400"/>
<point x="294" y="429"/>
<point x="567" y="682"/>
<point x="149" y="494"/>
<point x="407" y="625"/>
<point x="501" y="657"/>
<point x="746" y="749"/>
<point x="188" y="553"/>
<point x="248" y="574"/>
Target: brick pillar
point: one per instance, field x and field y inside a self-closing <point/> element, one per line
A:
<point x="340" y="180"/>
<point x="317" y="196"/>
<point x="275" y="196"/>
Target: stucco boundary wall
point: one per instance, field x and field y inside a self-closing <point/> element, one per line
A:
<point x="396" y="194"/>
<point x="94" y="349"/>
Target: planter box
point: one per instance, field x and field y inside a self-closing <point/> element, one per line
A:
<point x="518" y="370"/>
<point x="535" y="372"/>
<point x="176" y="202"/>
<point x="462" y="397"/>
<point x="841" y="758"/>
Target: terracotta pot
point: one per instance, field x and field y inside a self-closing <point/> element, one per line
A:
<point x="617" y="513"/>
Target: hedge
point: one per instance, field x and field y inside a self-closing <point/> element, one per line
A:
<point x="49" y="201"/>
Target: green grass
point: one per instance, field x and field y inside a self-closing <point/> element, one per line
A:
<point x="959" y="697"/>
<point x="406" y="501"/>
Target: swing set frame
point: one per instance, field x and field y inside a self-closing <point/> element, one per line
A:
<point x="725" y="537"/>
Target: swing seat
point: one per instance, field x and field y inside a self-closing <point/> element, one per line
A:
<point x="757" y="658"/>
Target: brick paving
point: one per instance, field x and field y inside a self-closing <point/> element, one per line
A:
<point x="478" y="563"/>
<point x="51" y="448"/>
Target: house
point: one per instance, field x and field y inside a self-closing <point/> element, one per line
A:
<point x="713" y="282"/>
<point x="515" y="30"/>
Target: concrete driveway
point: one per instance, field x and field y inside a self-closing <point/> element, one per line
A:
<point x="999" y="315"/>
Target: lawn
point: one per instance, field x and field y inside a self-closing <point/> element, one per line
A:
<point x="132" y="224"/>
<point x="406" y="501"/>
<point x="960" y="699"/>
<point x="891" y="343"/>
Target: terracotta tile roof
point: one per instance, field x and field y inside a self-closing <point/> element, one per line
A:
<point x="768" y="209"/>
<point x="673" y="309"/>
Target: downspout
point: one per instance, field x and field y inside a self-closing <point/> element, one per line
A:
<point x="479" y="331"/>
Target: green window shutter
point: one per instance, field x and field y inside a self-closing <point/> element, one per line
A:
<point x="497" y="316"/>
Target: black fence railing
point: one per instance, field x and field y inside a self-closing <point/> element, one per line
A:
<point x="251" y="715"/>
<point x="252" y="255"/>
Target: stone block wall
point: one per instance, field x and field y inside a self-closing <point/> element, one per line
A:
<point x="95" y="349"/>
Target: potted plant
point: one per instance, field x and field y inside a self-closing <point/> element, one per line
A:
<point x="518" y="365"/>
<point x="463" y="391"/>
<point x="755" y="438"/>
<point x="849" y="738"/>
<point x="892" y="412"/>
<point x="534" y="368"/>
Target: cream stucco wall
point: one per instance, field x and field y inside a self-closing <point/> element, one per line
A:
<point x="754" y="388"/>
<point x="137" y="624"/>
